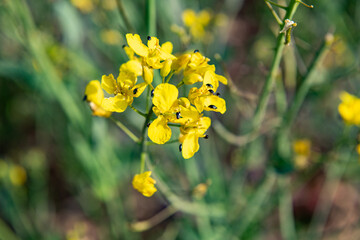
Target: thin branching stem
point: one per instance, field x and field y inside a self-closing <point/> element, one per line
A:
<point x="125" y="129"/>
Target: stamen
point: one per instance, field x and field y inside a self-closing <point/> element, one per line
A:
<point x="196" y="50"/>
<point x="206" y="136"/>
<point x="135" y="91"/>
<point x="84" y="98"/>
<point x="178" y="115"/>
<point x="211" y="91"/>
<point x="180" y="147"/>
<point x="148" y="38"/>
<point x="152" y="93"/>
<point x="212" y="106"/>
<point x="209" y="85"/>
<point x="217" y="94"/>
<point x="123" y="45"/>
<point x="148" y="124"/>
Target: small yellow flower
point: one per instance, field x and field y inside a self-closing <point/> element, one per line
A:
<point x="196" y="22"/>
<point x="204" y="98"/>
<point x="110" y="37"/>
<point x="152" y="55"/>
<point x="95" y="96"/>
<point x="191" y="131"/>
<point x="302" y="151"/>
<point x="85" y="6"/>
<point x="17" y="175"/>
<point x="144" y="184"/>
<point x="358" y="149"/>
<point x="349" y="108"/>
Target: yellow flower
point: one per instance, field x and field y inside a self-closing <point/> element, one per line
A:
<point x="144" y="184"/>
<point x="168" y="108"/>
<point x="152" y="55"/>
<point x="349" y="108"/>
<point x="358" y="149"/>
<point x="95" y="96"/>
<point x="302" y="151"/>
<point x="191" y="131"/>
<point x="204" y="98"/>
<point x="196" y="22"/>
<point x="110" y="37"/>
<point x="195" y="66"/>
<point x="85" y="6"/>
<point x="17" y="175"/>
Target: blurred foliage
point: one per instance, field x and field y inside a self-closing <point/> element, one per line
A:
<point x="65" y="174"/>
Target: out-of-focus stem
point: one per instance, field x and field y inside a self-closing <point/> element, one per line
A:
<point x="152" y="17"/>
<point x="265" y="93"/>
<point x="305" y="86"/>
<point x="122" y="12"/>
<point x="287" y="225"/>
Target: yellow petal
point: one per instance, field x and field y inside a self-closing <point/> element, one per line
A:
<point x="189" y="17"/>
<point x="159" y="132"/>
<point x="97" y="110"/>
<point x="144" y="184"/>
<point x="148" y="75"/>
<point x="139" y="89"/>
<point x="192" y="78"/>
<point x="165" y="70"/>
<point x="153" y="43"/>
<point x="221" y="79"/>
<point x="190" y="145"/>
<point x="181" y="62"/>
<point x="118" y="103"/>
<point x="108" y="83"/>
<point x="165" y="95"/>
<point x="94" y="93"/>
<point x="134" y="41"/>
<point x="167" y="47"/>
<point x="211" y="81"/>
<point x="214" y="103"/>
<point x="132" y="66"/>
<point x="129" y="52"/>
<point x="204" y="17"/>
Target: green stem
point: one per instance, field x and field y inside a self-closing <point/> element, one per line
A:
<point x="275" y="4"/>
<point x="287" y="224"/>
<point x="137" y="111"/>
<point x="152" y="17"/>
<point x="254" y="207"/>
<point x="269" y="82"/>
<point x="180" y="84"/>
<point x="122" y="12"/>
<point x="276" y="16"/>
<point x="169" y="76"/>
<point x="304" y="87"/>
<point x="125" y="129"/>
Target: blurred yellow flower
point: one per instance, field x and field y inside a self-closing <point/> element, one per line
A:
<point x="302" y="151"/>
<point x="349" y="108"/>
<point x="17" y="175"/>
<point x="196" y="22"/>
<point x="85" y="6"/>
<point x="110" y="37"/>
<point x="144" y="184"/>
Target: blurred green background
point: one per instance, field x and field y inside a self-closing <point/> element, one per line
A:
<point x="65" y="174"/>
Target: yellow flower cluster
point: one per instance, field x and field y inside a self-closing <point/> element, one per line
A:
<point x="198" y="25"/>
<point x="349" y="108"/>
<point x="168" y="108"/>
